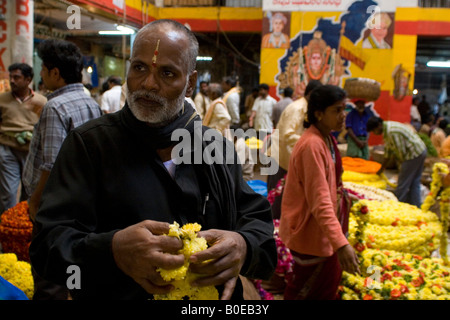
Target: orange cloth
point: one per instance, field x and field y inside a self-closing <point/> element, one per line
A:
<point x="309" y="223"/>
<point x="360" y="165"/>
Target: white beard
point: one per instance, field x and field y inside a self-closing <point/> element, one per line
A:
<point x="156" y="116"/>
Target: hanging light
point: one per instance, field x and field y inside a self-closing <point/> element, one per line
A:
<point x="202" y="58"/>
<point x="438" y="64"/>
<point x="121" y="30"/>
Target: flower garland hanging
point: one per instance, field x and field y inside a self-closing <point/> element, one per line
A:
<point x="445" y="211"/>
<point x="277" y="191"/>
<point x="359" y="214"/>
<point x="440" y="170"/>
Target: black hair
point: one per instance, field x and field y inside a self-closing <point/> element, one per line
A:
<point x="27" y="71"/>
<point x="230" y="81"/>
<point x="115" y="80"/>
<point x="264" y="86"/>
<point x="373" y="123"/>
<point x="321" y="98"/>
<point x="311" y="86"/>
<point x="287" y="92"/>
<point x="443" y="124"/>
<point x="65" y="56"/>
<point x="105" y="87"/>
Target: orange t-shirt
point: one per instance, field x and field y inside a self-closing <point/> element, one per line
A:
<point x="309" y="222"/>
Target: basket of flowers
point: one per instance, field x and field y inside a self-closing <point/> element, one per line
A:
<point x="15" y="231"/>
<point x="362" y="88"/>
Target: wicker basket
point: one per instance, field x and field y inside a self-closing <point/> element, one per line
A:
<point x="15" y="231"/>
<point x="362" y="88"/>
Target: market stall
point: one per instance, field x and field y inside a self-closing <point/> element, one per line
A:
<point x="402" y="248"/>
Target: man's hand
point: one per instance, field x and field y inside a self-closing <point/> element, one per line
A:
<point x="348" y="259"/>
<point x="141" y="248"/>
<point x="361" y="144"/>
<point x="221" y="262"/>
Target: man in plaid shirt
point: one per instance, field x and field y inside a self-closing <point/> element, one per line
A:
<point x="68" y="107"/>
<point x="405" y="145"/>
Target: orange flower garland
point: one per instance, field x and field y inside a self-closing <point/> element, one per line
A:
<point x="15" y="231"/>
<point x="360" y="165"/>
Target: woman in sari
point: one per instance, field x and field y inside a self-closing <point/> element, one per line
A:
<point x="315" y="208"/>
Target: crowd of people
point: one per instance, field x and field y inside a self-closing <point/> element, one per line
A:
<point x="103" y="186"/>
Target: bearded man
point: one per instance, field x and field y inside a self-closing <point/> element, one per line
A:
<point x="116" y="187"/>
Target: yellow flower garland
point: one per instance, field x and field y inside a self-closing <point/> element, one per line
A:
<point x="389" y="183"/>
<point x="397" y="276"/>
<point x="401" y="273"/>
<point x="445" y="211"/>
<point x="393" y="225"/>
<point x="440" y="170"/>
<point x="17" y="273"/>
<point x="181" y="277"/>
<point x="367" y="179"/>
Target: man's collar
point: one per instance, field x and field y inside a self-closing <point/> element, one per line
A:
<point x="28" y="97"/>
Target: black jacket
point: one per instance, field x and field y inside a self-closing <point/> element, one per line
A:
<point x="108" y="176"/>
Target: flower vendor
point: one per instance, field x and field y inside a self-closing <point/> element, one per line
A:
<point x="116" y="187"/>
<point x="20" y="109"/>
<point x="357" y="137"/>
<point x="315" y="208"/>
<point x="408" y="149"/>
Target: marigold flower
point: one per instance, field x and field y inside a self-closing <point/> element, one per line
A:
<point x="17" y="273"/>
<point x="181" y="277"/>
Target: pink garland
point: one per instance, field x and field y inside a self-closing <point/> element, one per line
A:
<point x="285" y="261"/>
<point x="358" y="195"/>
<point x="277" y="191"/>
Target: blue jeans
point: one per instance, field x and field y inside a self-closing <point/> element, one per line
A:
<point x="11" y="167"/>
<point x="409" y="178"/>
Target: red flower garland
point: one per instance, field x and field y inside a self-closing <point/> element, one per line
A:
<point x="15" y="231"/>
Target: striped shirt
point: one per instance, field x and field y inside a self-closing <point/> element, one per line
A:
<point x="401" y="141"/>
<point x="66" y="108"/>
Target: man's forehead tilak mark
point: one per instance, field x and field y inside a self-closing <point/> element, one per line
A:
<point x="155" y="54"/>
